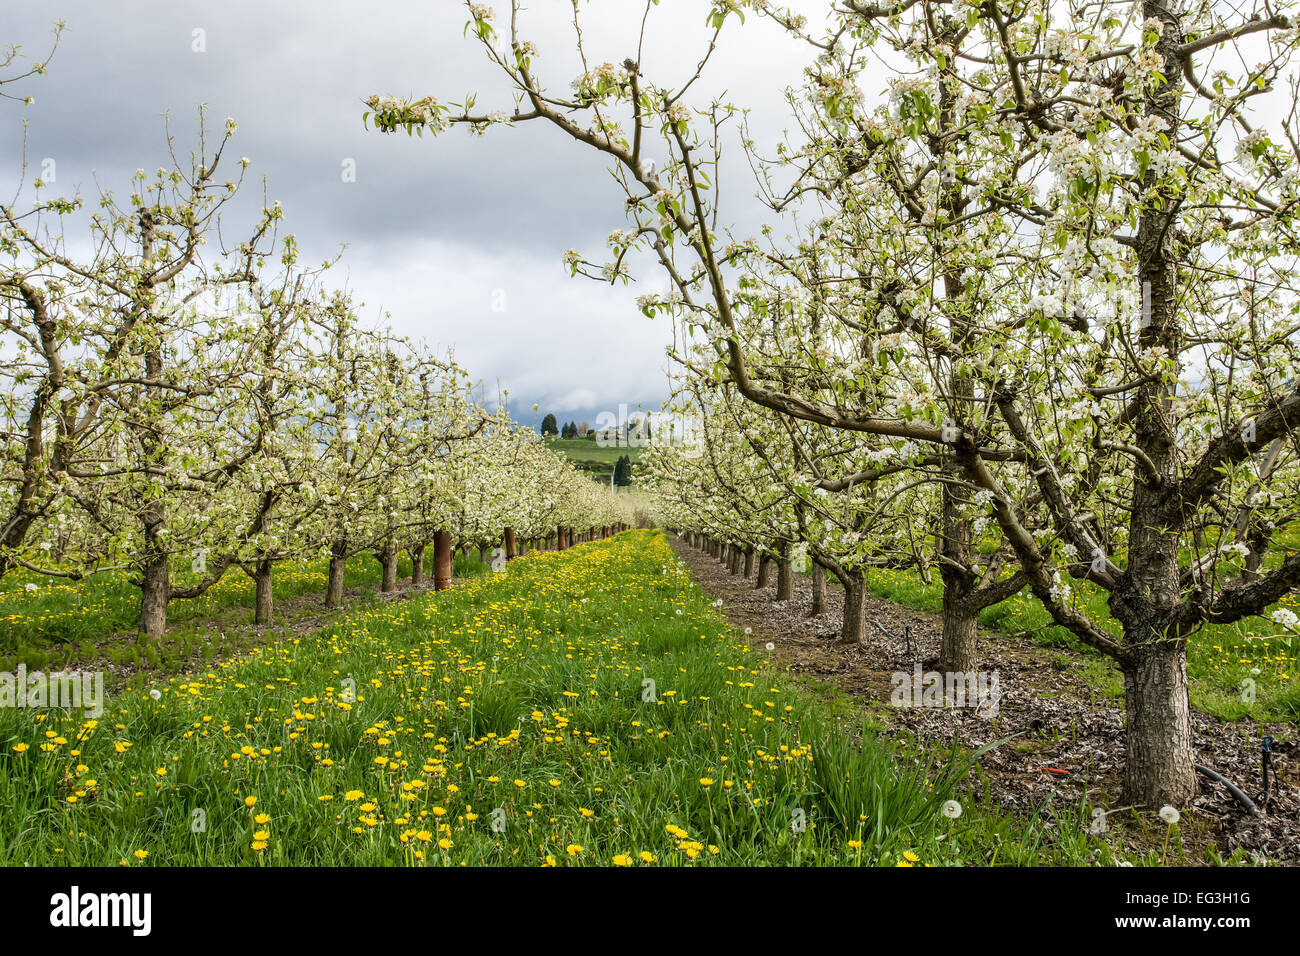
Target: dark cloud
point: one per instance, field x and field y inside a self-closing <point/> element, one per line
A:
<point x="433" y="228"/>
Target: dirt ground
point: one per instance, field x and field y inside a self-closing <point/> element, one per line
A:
<point x="1070" y="736"/>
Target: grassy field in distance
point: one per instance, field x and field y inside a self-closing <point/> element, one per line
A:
<point x="590" y="456"/>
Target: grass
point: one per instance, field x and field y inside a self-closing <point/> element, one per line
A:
<point x="46" y="623"/>
<point x="583" y="707"/>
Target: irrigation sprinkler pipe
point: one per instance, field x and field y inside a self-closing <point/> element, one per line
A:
<point x="1232" y="787"/>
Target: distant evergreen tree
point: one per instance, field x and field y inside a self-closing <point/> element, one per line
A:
<point x="623" y="471"/>
<point x="549" y="427"/>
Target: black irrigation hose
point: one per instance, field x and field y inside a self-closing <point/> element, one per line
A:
<point x="1266" y="764"/>
<point x="1232" y="787"/>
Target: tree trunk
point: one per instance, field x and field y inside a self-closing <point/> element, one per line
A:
<point x="960" y="617"/>
<point x="749" y="562"/>
<point x="388" y="563"/>
<point x="154" y="593"/>
<point x="1250" y="570"/>
<point x="960" y="632"/>
<point x="511" y="554"/>
<point x="853" y="629"/>
<point x="764" y="571"/>
<point x="784" y="580"/>
<point x="483" y="554"/>
<point x="441" y="560"/>
<point x="1257" y="542"/>
<point x="818" y="589"/>
<point x="1160" y="766"/>
<point x="338" y="565"/>
<point x="262" y="582"/>
<point x="417" y="564"/>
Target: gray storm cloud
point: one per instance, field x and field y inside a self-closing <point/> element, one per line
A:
<point x="436" y="232"/>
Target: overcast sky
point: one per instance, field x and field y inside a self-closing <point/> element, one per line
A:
<point x="436" y="230"/>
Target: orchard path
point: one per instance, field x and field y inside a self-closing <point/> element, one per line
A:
<point x="1068" y="741"/>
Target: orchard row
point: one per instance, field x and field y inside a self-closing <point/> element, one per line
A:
<point x="183" y="407"/>
<point x="1024" y="313"/>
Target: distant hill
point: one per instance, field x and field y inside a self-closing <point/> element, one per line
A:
<point x="591" y="457"/>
